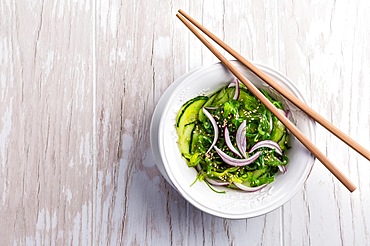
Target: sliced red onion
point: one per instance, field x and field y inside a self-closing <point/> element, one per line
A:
<point x="282" y="168"/>
<point x="287" y="113"/>
<point x="250" y="189"/>
<point x="281" y="111"/>
<point x="215" y="182"/>
<point x="232" y="84"/>
<point x="241" y="140"/>
<point x="237" y="88"/>
<point x="228" y="142"/>
<point x="237" y="162"/>
<point x="215" y="128"/>
<point x="268" y="144"/>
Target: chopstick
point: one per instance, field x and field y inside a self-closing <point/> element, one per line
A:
<point x="289" y="125"/>
<point x="293" y="99"/>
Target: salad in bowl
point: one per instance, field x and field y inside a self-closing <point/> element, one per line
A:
<point x="232" y="139"/>
<point x="222" y="150"/>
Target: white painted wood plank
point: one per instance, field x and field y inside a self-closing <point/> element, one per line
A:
<point x="137" y="61"/>
<point x="323" y="49"/>
<point x="45" y="123"/>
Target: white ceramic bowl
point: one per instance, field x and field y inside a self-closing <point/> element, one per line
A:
<point x="234" y="204"/>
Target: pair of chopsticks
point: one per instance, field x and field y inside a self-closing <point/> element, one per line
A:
<point x="188" y="21"/>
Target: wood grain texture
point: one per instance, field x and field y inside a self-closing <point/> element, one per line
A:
<point x="137" y="60"/>
<point x="79" y="81"/>
<point x="45" y="123"/>
<point x="330" y="59"/>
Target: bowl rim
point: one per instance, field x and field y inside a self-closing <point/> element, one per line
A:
<point x="311" y="125"/>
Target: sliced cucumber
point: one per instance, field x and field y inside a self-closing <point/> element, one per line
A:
<point x="194" y="140"/>
<point x="187" y="113"/>
<point x="224" y="96"/>
<point x="190" y="113"/>
<point x="181" y="111"/>
<point x="185" y="139"/>
<point x="278" y="130"/>
<point x="183" y="107"/>
<point x="284" y="142"/>
<point x="231" y="92"/>
<point x="220" y="94"/>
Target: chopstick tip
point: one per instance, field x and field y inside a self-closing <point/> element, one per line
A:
<point x="352" y="188"/>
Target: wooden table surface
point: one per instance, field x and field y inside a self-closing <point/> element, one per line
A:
<point x="79" y="81"/>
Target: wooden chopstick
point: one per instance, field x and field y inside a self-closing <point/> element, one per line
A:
<point x="289" y="125"/>
<point x="293" y="99"/>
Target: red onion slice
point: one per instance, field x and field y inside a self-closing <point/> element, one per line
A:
<point x="232" y="84"/>
<point x="281" y="111"/>
<point x="237" y="88"/>
<point x="228" y="142"/>
<point x="215" y="128"/>
<point x="250" y="189"/>
<point x="268" y="144"/>
<point x="282" y="169"/>
<point x="215" y="182"/>
<point x="287" y="113"/>
<point x="241" y="140"/>
<point x="236" y="162"/>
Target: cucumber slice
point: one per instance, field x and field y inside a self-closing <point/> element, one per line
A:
<point x="190" y="113"/>
<point x="224" y="96"/>
<point x="284" y="142"/>
<point x="185" y="139"/>
<point x="278" y="130"/>
<point x="220" y="94"/>
<point x="181" y="111"/>
<point x="183" y="107"/>
<point x="194" y="140"/>
<point x="231" y="92"/>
